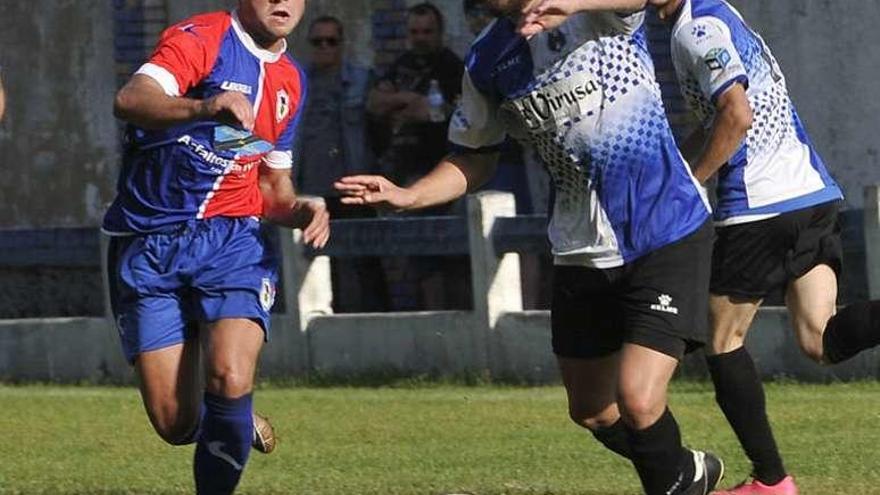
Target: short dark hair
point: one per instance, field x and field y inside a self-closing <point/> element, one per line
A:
<point x="329" y="19"/>
<point x="428" y="8"/>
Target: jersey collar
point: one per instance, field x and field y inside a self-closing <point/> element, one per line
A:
<point x="251" y="45"/>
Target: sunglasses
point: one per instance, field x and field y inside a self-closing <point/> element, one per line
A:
<point x="320" y="41"/>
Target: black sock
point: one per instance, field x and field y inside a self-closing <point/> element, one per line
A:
<point x="663" y="464"/>
<point x="851" y="331"/>
<point x="614" y="438"/>
<point x="740" y="394"/>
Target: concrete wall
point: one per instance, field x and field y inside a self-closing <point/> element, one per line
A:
<point x="828" y="52"/>
<point x="497" y="338"/>
<point x="58" y="141"/>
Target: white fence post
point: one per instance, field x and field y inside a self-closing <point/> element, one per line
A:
<point x="306" y="282"/>
<point x="872" y="239"/>
<point x="495" y="277"/>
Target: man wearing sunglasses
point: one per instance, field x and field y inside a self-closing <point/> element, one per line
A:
<point x="334" y="143"/>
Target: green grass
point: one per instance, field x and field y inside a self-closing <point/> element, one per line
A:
<point x="418" y="440"/>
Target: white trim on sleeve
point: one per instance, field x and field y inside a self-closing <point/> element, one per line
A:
<point x="279" y="159"/>
<point x="162" y="76"/>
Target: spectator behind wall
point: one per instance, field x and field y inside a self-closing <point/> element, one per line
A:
<point x="399" y="102"/>
<point x="334" y="144"/>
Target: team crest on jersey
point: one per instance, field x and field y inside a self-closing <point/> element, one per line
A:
<point x="282" y="105"/>
<point x="717" y="59"/>
<point x="267" y="294"/>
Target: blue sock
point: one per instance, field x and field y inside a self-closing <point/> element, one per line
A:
<point x="224" y="444"/>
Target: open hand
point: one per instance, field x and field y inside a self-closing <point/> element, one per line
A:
<point x="374" y="190"/>
<point x="545" y="15"/>
<point x="313" y="219"/>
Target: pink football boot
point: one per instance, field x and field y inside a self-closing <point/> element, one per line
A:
<point x="755" y="487"/>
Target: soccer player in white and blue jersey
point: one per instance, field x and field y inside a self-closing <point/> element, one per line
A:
<point x="776" y="218"/>
<point x="631" y="228"/>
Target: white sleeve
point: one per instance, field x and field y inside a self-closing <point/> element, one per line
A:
<point x="279" y="159"/>
<point x="704" y="47"/>
<point x="475" y="125"/>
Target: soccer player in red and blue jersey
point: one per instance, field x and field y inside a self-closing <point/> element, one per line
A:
<point x="212" y="118"/>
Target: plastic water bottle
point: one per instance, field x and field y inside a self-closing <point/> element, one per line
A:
<point x="435" y="102"/>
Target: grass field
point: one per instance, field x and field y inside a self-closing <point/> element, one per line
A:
<point x="430" y="439"/>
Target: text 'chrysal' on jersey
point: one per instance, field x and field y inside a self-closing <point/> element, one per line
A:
<point x="585" y="97"/>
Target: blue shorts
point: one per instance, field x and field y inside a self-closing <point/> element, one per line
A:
<point x="162" y="285"/>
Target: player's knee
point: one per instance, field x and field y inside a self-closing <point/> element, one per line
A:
<point x="641" y="410"/>
<point x="229" y="382"/>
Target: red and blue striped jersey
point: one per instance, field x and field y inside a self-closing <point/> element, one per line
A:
<point x="205" y="169"/>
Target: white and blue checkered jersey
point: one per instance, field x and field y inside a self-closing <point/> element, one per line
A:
<point x="584" y="96"/>
<point x="777" y="169"/>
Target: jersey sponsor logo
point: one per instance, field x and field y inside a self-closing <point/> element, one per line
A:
<point x="219" y="164"/>
<point x="665" y="305"/>
<point x="236" y="86"/>
<point x="282" y="105"/>
<point x="558" y="102"/>
<point x="717" y="59"/>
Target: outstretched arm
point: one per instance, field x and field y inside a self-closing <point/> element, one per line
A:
<point x="545" y="15"/>
<point x="143" y="102"/>
<point x="453" y="177"/>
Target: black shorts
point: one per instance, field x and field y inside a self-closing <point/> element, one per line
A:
<point x="659" y="301"/>
<point x="752" y="260"/>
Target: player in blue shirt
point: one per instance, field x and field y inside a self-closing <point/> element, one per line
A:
<point x="631" y="229"/>
<point x="211" y="117"/>
<point x="776" y="218"/>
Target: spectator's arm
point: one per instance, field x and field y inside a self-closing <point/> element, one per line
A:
<point x="384" y="100"/>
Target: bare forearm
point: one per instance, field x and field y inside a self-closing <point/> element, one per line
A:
<point x="725" y="138"/>
<point x="382" y="103"/>
<point x="616" y="5"/>
<point x="279" y="197"/>
<point x="453" y="177"/>
<point x="143" y="103"/>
